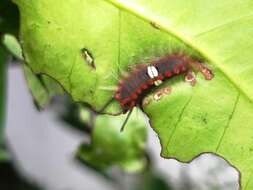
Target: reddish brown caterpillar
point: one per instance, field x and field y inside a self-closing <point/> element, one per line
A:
<point x="144" y="77"/>
<point x="133" y="88"/>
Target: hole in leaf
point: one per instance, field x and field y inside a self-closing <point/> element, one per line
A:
<point x="88" y="57"/>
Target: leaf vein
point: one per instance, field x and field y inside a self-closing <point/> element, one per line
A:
<point x="178" y="121"/>
<point x="119" y="42"/>
<point x="228" y="122"/>
<point x="248" y="181"/>
<point x="217" y="27"/>
<point x="70" y="74"/>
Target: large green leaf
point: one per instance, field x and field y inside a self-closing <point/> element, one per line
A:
<point x="215" y="116"/>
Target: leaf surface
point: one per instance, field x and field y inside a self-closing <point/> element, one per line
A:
<point x="12" y="45"/>
<point x="214" y="116"/>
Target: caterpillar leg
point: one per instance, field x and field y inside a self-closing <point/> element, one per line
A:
<point x="156" y="96"/>
<point x="190" y="77"/>
<point x="206" y="72"/>
<point x="146" y="101"/>
<point x="126" y="120"/>
<point x="102" y="110"/>
<point x="161" y="93"/>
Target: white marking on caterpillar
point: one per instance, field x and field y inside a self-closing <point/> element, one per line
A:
<point x="158" y="82"/>
<point x="159" y="94"/>
<point x="190" y="77"/>
<point x="152" y="72"/>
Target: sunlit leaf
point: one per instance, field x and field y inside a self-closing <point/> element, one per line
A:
<point x="214" y="116"/>
<point x="12" y="45"/>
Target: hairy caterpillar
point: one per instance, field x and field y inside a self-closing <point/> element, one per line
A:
<point x="144" y="77"/>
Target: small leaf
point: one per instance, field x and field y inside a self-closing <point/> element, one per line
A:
<point x="12" y="45"/>
<point x="42" y="88"/>
<point x="110" y="147"/>
<point x="38" y="91"/>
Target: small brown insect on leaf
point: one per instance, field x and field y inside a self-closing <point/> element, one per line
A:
<point x="155" y="25"/>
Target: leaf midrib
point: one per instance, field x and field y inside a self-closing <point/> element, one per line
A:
<point x="136" y="10"/>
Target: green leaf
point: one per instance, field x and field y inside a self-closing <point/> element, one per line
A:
<point x="36" y="87"/>
<point x="110" y="147"/>
<point x="54" y="39"/>
<point x="12" y="45"/>
<point x="214" y="116"/>
<point x="42" y="87"/>
<point x="3" y="60"/>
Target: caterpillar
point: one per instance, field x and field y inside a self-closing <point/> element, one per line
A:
<point x="144" y="77"/>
